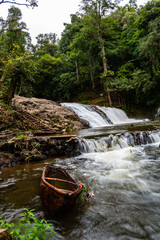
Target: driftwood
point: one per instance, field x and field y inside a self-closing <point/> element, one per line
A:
<point x="31" y="120"/>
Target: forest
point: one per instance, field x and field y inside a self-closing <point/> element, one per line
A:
<point x="107" y="49"/>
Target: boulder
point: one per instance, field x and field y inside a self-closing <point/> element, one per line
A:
<point x="57" y="117"/>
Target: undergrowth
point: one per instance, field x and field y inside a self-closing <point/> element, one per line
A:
<point x="28" y="227"/>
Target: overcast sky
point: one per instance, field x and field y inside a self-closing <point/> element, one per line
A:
<point x="49" y="16"/>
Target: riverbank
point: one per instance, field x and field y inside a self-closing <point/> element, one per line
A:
<point x="27" y="147"/>
<point x="34" y="129"/>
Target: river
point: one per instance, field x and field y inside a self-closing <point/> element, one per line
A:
<point x="124" y="176"/>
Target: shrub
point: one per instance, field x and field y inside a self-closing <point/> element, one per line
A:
<point x="28" y="227"/>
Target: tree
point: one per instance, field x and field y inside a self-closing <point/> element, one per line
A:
<point x="14" y="31"/>
<point x="69" y="33"/>
<point x="149" y="48"/>
<point x="27" y="3"/>
<point x="47" y="77"/>
<point x="85" y="48"/>
<point x="71" y="55"/>
<point x="18" y="72"/>
<point x="139" y="71"/>
<point x="46" y="43"/>
<point x="97" y="9"/>
<point x="15" y="64"/>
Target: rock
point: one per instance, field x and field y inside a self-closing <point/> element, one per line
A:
<point x="52" y="152"/>
<point x="6" y="159"/>
<point x="38" y="157"/>
<point x="43" y="140"/>
<point x="57" y="117"/>
<point x="51" y="143"/>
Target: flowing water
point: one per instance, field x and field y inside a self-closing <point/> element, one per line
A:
<point x="98" y="116"/>
<point x="121" y="164"/>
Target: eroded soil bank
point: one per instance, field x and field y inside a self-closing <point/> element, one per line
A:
<point x="34" y="129"/>
<point x="27" y="147"/>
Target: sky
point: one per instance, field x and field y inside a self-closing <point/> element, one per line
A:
<point x="49" y="16"/>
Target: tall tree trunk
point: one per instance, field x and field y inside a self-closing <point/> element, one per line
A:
<point x="103" y="57"/>
<point x="9" y="94"/>
<point x="2" y="82"/>
<point x="20" y="86"/>
<point x="92" y="70"/>
<point x="92" y="78"/>
<point x="102" y="49"/>
<point x="77" y="72"/>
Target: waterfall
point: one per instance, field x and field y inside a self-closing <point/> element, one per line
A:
<point x="98" y="116"/>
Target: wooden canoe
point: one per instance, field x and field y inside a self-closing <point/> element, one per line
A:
<point x="59" y="191"/>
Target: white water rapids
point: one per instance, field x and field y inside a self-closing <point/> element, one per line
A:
<point x="126" y="184"/>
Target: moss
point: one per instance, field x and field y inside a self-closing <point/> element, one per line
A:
<point x="19" y="136"/>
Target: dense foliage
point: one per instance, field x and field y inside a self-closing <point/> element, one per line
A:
<point x="109" y="49"/>
<point x="28" y="227"/>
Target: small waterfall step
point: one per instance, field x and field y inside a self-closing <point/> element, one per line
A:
<point x="117" y="141"/>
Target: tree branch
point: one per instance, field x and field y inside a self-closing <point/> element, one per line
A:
<point x="34" y="4"/>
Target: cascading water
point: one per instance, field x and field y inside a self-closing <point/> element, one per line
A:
<point x="87" y="113"/>
<point x="98" y="116"/>
<point x="118" y="141"/>
<point x="124" y="170"/>
<point x="116" y="115"/>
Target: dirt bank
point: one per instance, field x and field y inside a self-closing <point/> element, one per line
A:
<point x="25" y="147"/>
<point x="34" y="129"/>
